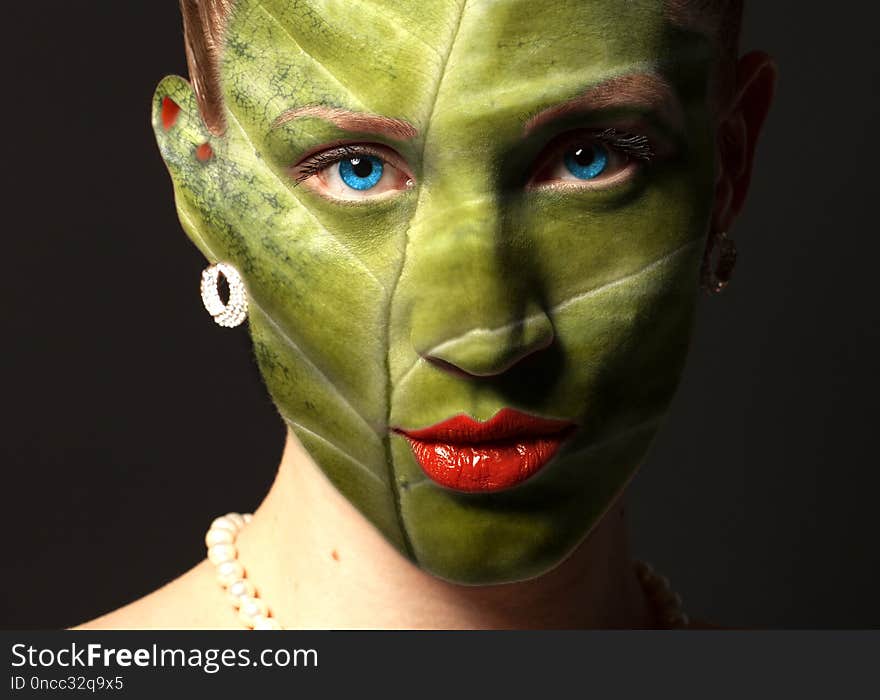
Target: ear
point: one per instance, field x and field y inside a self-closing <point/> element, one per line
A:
<point x="186" y="147"/>
<point x="738" y="133"/>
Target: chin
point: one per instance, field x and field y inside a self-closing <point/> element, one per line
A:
<point x="520" y="561"/>
<point x="523" y="532"/>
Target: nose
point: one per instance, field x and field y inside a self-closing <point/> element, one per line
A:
<point x="484" y="352"/>
<point x="464" y="292"/>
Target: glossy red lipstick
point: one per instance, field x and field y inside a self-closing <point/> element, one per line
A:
<point x="467" y="455"/>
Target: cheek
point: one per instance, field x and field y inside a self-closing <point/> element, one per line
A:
<point x="586" y="241"/>
<point x="625" y="344"/>
<point x="619" y="274"/>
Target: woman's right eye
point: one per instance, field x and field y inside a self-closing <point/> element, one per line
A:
<point x="354" y="172"/>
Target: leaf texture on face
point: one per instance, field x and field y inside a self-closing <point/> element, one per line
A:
<point x="320" y="301"/>
<point x="349" y="299"/>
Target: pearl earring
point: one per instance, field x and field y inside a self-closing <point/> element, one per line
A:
<point x="234" y="311"/>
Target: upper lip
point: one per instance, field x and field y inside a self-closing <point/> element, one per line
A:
<point x="507" y="424"/>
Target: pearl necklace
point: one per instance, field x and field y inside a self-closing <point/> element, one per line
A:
<point x="254" y="612"/>
<point x="222" y="552"/>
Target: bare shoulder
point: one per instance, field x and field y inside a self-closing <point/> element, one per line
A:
<point x="191" y="601"/>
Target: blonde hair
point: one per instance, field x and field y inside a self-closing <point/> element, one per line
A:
<point x="204" y="25"/>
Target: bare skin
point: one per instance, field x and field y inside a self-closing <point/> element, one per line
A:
<point x="320" y="564"/>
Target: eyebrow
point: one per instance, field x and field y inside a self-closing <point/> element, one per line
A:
<point x="636" y="90"/>
<point x="350" y="121"/>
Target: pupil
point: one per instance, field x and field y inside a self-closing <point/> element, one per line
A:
<point x="362" y="167"/>
<point x="584" y="155"/>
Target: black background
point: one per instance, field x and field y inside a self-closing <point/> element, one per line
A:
<point x="129" y="420"/>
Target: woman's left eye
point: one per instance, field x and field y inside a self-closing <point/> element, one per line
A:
<point x="353" y="172"/>
<point x="590" y="162"/>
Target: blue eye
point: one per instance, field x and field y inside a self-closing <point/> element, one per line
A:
<point x="586" y="162"/>
<point x="362" y="172"/>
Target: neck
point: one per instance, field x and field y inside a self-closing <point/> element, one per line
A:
<point x="319" y="564"/>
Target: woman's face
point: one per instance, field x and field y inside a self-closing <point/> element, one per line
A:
<point x="449" y="209"/>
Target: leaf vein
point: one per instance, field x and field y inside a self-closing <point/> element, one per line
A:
<point x="561" y="305"/>
<point x="389" y="387"/>
<point x="335" y="390"/>
<point x="323" y="229"/>
<point x="333" y="446"/>
<point x="305" y="53"/>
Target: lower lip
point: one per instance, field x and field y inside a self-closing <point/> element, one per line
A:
<point x="484" y="467"/>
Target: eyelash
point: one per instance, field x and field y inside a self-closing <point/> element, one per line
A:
<point x="636" y="146"/>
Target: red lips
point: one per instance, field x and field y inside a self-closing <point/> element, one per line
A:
<point x="467" y="455"/>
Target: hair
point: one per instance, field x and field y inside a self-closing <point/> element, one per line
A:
<point x="204" y="24"/>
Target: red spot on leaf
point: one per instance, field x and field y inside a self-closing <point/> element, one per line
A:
<point x="204" y="152"/>
<point x="335" y="555"/>
<point x="170" y="110"/>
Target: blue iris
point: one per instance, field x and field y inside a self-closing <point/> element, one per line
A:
<point x="361" y="173"/>
<point x="586" y="162"/>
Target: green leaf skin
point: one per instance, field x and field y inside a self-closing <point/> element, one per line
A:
<point x="468" y="265"/>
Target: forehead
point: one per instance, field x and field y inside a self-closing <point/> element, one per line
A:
<point x="415" y="59"/>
